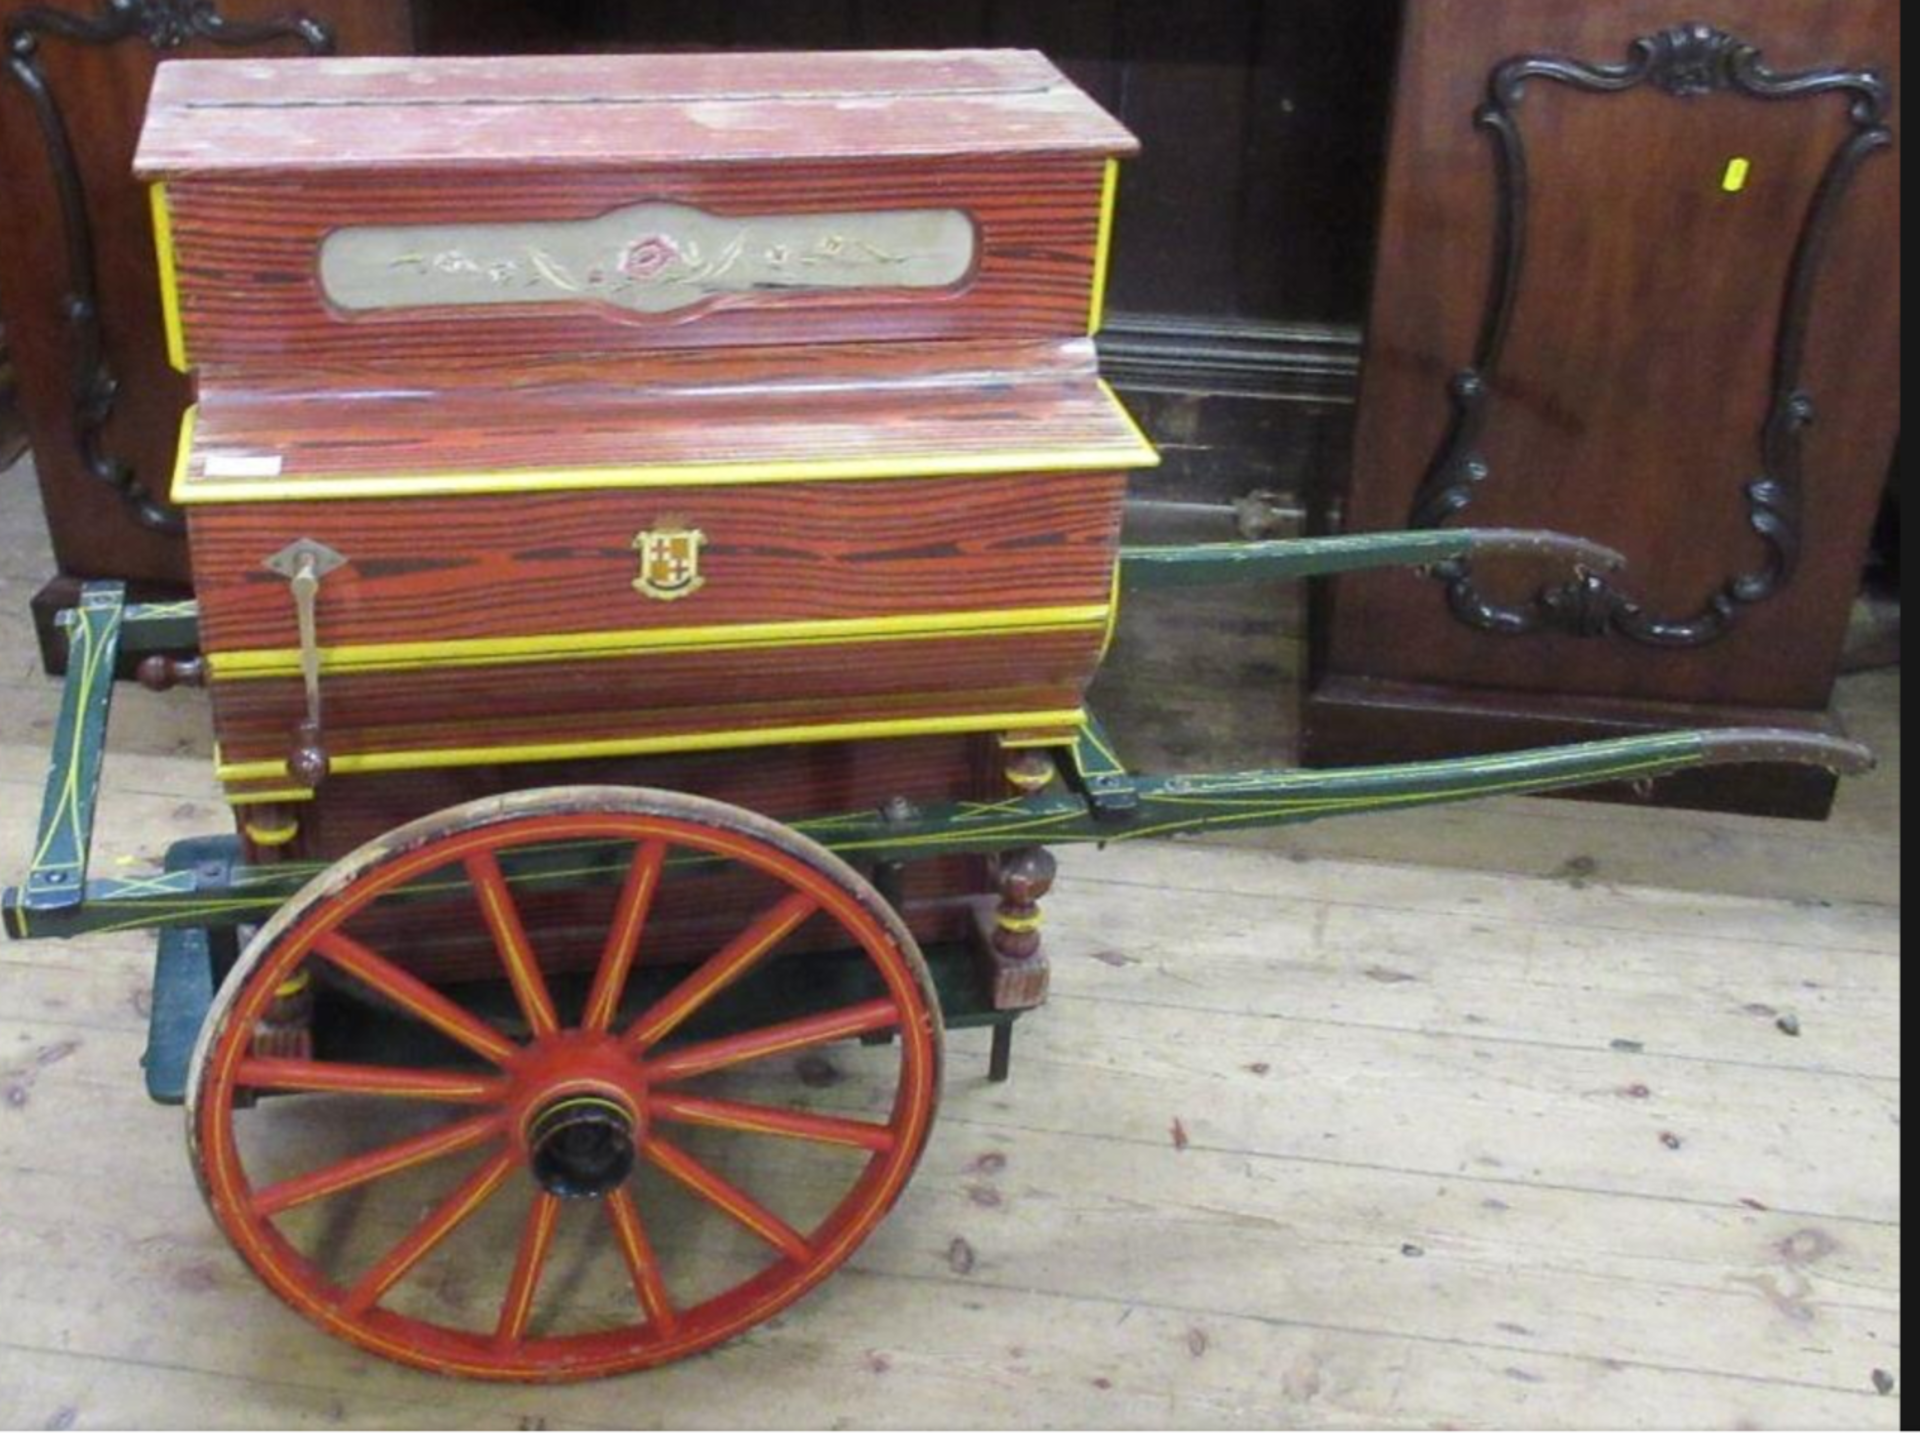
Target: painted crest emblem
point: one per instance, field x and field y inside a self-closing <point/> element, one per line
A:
<point x="669" y="561"/>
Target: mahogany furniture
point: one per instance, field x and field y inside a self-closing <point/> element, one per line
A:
<point x="1637" y="279"/>
<point x="13" y="435"/>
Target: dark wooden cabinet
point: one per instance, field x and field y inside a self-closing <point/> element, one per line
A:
<point x="13" y="435"/>
<point x="1637" y="279"/>
<point x="78" y="287"/>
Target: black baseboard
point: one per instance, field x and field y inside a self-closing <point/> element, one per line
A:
<point x="1203" y="354"/>
<point x="1237" y="406"/>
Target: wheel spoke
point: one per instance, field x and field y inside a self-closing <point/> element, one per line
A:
<point x="535" y="1240"/>
<point x="388" y="1160"/>
<point x="623" y="939"/>
<point x="648" y="1288"/>
<point x="735" y="1203"/>
<point x="728" y="964"/>
<point x="778" y="1039"/>
<point x="510" y="938"/>
<point x="450" y="1086"/>
<point x="420" y="1241"/>
<point x="768" y="1120"/>
<point x="456" y="1022"/>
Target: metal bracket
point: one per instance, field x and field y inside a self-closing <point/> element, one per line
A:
<point x="1097" y="771"/>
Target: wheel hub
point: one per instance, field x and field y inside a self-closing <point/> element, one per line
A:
<point x="581" y="1146"/>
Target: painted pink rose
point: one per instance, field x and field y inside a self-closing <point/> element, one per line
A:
<point x="646" y="258"/>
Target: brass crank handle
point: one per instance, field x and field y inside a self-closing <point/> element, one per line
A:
<point x="305" y="563"/>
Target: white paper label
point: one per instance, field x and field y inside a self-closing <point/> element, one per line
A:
<point x="228" y="466"/>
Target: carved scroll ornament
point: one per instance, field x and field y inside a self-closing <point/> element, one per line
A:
<point x="1685" y="61"/>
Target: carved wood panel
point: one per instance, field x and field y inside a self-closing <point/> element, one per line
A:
<point x="1636" y="279"/>
<point x="1686" y="62"/>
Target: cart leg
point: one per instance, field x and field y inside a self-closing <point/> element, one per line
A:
<point x="223" y="950"/>
<point x="1009" y="929"/>
<point x="1000" y="1062"/>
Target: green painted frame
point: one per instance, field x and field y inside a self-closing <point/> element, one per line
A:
<point x="1099" y="802"/>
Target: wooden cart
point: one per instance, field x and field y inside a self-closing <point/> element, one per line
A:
<point x="654" y="524"/>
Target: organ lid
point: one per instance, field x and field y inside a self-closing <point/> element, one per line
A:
<point x="572" y="434"/>
<point x="226" y="115"/>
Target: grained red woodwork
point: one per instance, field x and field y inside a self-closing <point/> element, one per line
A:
<point x="252" y="302"/>
<point x="263" y="161"/>
<point x="639" y="726"/>
<point x="785" y="782"/>
<point x="853" y="405"/>
<point x="469" y="705"/>
<point x="503" y="565"/>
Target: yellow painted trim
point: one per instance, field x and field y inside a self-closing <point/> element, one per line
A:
<point x="384" y="762"/>
<point x="231" y="665"/>
<point x="169" y="276"/>
<point x="1139" y="434"/>
<point x="1036" y="780"/>
<point x="183" y="450"/>
<point x="190" y="491"/>
<point x="1103" y="247"/>
<point x="1051" y="741"/>
<point x="271" y="835"/>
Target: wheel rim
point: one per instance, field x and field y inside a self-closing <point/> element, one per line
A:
<point x="568" y="1111"/>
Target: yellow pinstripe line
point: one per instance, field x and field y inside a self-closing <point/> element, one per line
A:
<point x="529" y="984"/>
<point x="183" y="451"/>
<point x="67" y="807"/>
<point x="1092" y="737"/>
<point x="547" y="1215"/>
<point x="450" y="1145"/>
<point x="169" y="276"/>
<point x="1103" y="246"/>
<point x="617" y="644"/>
<point x="381" y="762"/>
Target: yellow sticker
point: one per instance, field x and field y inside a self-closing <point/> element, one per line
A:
<point x="1735" y="180"/>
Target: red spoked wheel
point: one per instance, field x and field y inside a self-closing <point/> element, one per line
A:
<point x="420" y="1209"/>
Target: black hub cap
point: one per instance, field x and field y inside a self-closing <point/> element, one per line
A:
<point x="582" y="1147"/>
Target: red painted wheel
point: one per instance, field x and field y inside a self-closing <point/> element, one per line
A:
<point x="417" y="1209"/>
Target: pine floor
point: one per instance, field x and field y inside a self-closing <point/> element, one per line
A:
<point x="1500" y="1133"/>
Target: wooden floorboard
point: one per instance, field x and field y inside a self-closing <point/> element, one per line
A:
<point x="1302" y="1139"/>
